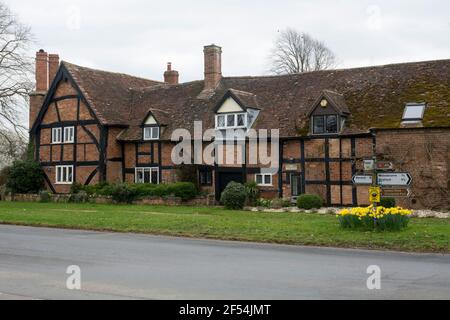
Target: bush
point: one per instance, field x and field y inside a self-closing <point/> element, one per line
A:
<point x="75" y="188"/>
<point x="45" y="196"/>
<point x="25" y="177"/>
<point x="183" y="190"/>
<point x="388" y="202"/>
<point x="4" y="174"/>
<point x="265" y="203"/>
<point x="122" y="193"/>
<point x="80" y="197"/>
<point x="252" y="193"/>
<point x="309" y="201"/>
<point x="233" y="197"/>
<point x="383" y="219"/>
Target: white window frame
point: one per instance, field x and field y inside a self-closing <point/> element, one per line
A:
<point x="143" y="169"/>
<point x="59" y="178"/>
<point x="151" y="131"/>
<point x="422" y="107"/>
<point x="57" y="133"/>
<point x="67" y="135"/>
<point x="235" y="115"/>
<point x="263" y="179"/>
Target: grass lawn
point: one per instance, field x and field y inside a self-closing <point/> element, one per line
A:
<point x="422" y="235"/>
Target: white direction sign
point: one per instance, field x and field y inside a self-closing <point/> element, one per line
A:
<point x="362" y="179"/>
<point x="394" y="179"/>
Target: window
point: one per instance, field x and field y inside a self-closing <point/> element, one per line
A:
<point x="325" y="124"/>
<point x="56" y="135"/>
<point x="147" y="175"/>
<point x="69" y="134"/>
<point x="205" y="177"/>
<point x="151" y="133"/>
<point x="63" y="135"/>
<point x="414" y="112"/>
<point x="263" y="179"/>
<point x="64" y="174"/>
<point x="231" y="120"/>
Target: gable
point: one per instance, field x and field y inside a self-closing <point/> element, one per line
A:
<point x="150" y="120"/>
<point x="229" y="105"/>
<point x="318" y="109"/>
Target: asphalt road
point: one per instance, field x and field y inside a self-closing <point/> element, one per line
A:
<point x="33" y="264"/>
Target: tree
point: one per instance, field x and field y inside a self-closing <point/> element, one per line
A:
<point x="12" y="147"/>
<point x="15" y="69"/>
<point x="296" y="52"/>
<point x="25" y="177"/>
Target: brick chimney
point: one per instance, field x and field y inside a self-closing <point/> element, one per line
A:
<point x="170" y="76"/>
<point x="41" y="70"/>
<point x="53" y="66"/>
<point x="46" y="68"/>
<point x="213" y="66"/>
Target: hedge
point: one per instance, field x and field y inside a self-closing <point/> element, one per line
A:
<point x="127" y="193"/>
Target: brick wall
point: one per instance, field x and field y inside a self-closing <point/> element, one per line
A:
<point x="425" y="154"/>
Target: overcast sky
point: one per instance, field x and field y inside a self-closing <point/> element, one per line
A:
<point x="139" y="37"/>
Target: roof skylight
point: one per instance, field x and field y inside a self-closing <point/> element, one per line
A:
<point x="414" y="112"/>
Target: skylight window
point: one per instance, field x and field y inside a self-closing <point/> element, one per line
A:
<point x="414" y="112"/>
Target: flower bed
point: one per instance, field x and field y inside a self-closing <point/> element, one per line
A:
<point x="383" y="219"/>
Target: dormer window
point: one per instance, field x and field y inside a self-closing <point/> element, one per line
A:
<point x="325" y="124"/>
<point x="151" y="133"/>
<point x="328" y="113"/>
<point x="231" y="121"/>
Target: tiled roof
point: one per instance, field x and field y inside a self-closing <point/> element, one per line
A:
<point x="374" y="96"/>
<point x="108" y="93"/>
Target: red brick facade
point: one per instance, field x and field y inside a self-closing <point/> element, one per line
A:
<point x="322" y="165"/>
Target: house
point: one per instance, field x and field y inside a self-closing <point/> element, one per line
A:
<point x="90" y="126"/>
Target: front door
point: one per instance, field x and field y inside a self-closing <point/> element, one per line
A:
<point x="225" y="178"/>
<point x="296" y="185"/>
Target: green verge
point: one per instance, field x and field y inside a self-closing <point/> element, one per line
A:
<point x="422" y="235"/>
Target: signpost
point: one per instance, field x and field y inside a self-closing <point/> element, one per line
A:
<point x="362" y="179"/>
<point x="374" y="194"/>
<point x="385" y="165"/>
<point x="394" y="179"/>
<point x="396" y="192"/>
<point x="369" y="165"/>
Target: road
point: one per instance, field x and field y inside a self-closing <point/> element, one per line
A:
<point x="33" y="264"/>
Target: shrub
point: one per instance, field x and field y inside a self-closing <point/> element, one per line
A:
<point x="183" y="190"/>
<point x="388" y="202"/>
<point x="80" y="197"/>
<point x="277" y="203"/>
<point x="383" y="219"/>
<point x="122" y="193"/>
<point x="4" y="174"/>
<point x="252" y="192"/>
<point x="45" y="196"/>
<point x="188" y="173"/>
<point x="25" y="177"/>
<point x="265" y="203"/>
<point x="75" y="188"/>
<point x="233" y="197"/>
<point x="309" y="201"/>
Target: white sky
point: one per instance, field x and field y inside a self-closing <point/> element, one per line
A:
<point x="139" y="37"/>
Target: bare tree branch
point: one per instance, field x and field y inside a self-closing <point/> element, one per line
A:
<point x="16" y="68"/>
<point x="296" y="52"/>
